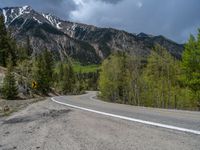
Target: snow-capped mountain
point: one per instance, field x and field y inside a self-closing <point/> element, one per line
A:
<point x="86" y="43"/>
<point x="12" y="13"/>
<point x="53" y="20"/>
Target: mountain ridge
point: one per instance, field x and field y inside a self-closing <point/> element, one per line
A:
<point x="84" y="43"/>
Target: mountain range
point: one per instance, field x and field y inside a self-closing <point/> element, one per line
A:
<point x="84" y="43"/>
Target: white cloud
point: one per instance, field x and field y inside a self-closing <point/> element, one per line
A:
<point x="139" y="4"/>
<point x="78" y="2"/>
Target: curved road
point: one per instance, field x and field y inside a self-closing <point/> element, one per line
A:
<point x="186" y="121"/>
<point x="84" y="123"/>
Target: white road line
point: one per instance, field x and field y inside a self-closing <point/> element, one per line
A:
<point x="132" y="119"/>
<point x="91" y="97"/>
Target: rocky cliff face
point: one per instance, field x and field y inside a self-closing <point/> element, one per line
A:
<point x="85" y="43"/>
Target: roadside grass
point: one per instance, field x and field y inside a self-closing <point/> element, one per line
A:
<point x="85" y="69"/>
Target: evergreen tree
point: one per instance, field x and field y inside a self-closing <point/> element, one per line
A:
<point x="7" y="45"/>
<point x="80" y="84"/>
<point x="28" y="48"/>
<point x="43" y="71"/>
<point x="191" y="65"/>
<point x="22" y="54"/>
<point x="68" y="79"/>
<point x="65" y="77"/>
<point x="3" y="42"/>
<point x="9" y="89"/>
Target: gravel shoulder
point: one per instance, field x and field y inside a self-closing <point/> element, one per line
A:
<point x="16" y="105"/>
<point x="46" y="125"/>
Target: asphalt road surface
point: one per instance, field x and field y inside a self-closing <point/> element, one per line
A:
<point x="176" y="118"/>
<point x="47" y="125"/>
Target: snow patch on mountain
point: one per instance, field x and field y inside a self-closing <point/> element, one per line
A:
<point x="58" y="25"/>
<point x="37" y="20"/>
<point x="74" y="26"/>
<point x="53" y="20"/>
<point x="5" y="16"/>
<point x="24" y="10"/>
<point x="12" y="13"/>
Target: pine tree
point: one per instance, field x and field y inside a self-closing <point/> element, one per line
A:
<point x="68" y="79"/>
<point x="29" y="49"/>
<point x="43" y="71"/>
<point x="65" y="77"/>
<point x="9" y="89"/>
<point x="7" y="45"/>
<point x="3" y="42"/>
<point x="191" y="65"/>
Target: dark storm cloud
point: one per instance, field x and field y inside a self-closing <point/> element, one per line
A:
<point x="111" y="1"/>
<point x="175" y="19"/>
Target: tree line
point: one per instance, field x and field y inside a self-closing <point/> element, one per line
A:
<point x="162" y="82"/>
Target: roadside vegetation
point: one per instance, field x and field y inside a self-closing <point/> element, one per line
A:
<point x="160" y="81"/>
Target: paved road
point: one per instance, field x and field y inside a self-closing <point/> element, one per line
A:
<point x="177" y="118"/>
<point x="49" y="126"/>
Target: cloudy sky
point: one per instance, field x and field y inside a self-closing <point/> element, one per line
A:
<point x="175" y="19"/>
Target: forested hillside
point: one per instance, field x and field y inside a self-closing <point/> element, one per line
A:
<point x="163" y="82"/>
<point x="47" y="73"/>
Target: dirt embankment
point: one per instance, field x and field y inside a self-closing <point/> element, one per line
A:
<point x="16" y="105"/>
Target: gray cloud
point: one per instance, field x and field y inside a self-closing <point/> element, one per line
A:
<point x="111" y="1"/>
<point x="61" y="8"/>
<point x="175" y="19"/>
